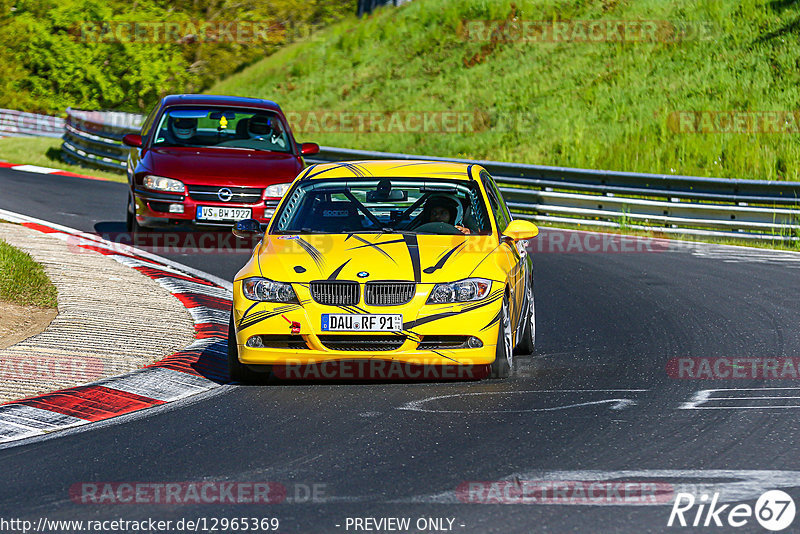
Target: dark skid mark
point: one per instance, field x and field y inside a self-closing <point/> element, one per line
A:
<point x="428" y="319"/>
<point x="494" y="320"/>
<point x="443" y="356"/>
<point x="248" y="309"/>
<point x="264" y="315"/>
<point x="377" y="246"/>
<point x="354" y="309"/>
<point x="413" y="252"/>
<point x="338" y="270"/>
<point x="313" y="252"/>
<point x="413" y="336"/>
<point x="443" y="260"/>
<point x="494" y="297"/>
<point x="308" y="170"/>
<point x="416" y="163"/>
<point x="357" y="170"/>
<point x="309" y="176"/>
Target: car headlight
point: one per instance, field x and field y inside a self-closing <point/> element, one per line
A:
<point x="268" y="291"/>
<point x="462" y="291"/>
<point x="160" y="183"/>
<point x="276" y="190"/>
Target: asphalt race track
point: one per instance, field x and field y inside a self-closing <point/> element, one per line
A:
<point x="595" y="403"/>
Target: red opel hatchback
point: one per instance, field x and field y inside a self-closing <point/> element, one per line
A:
<point x="210" y="160"/>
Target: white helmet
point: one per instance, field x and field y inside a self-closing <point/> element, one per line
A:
<point x="184" y="128"/>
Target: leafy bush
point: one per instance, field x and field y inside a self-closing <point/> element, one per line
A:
<point x="54" y="55"/>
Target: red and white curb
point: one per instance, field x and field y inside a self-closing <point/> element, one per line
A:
<point x="46" y="170"/>
<point x="200" y="367"/>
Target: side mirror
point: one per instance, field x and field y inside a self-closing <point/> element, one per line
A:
<point x="132" y="140"/>
<point x="309" y="149"/>
<point x="520" y="230"/>
<point x="247" y="228"/>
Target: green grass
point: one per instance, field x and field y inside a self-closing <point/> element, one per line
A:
<point x="595" y="105"/>
<point x="23" y="281"/>
<point x="46" y="152"/>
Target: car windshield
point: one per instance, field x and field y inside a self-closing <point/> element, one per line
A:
<point x="421" y="206"/>
<point x="235" y="128"/>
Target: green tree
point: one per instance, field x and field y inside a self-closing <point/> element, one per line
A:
<point x="54" y="56"/>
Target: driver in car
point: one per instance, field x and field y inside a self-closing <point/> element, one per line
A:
<point x="261" y="127"/>
<point x="183" y="128"/>
<point x="442" y="208"/>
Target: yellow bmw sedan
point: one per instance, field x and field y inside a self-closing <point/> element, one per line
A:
<point x="416" y="263"/>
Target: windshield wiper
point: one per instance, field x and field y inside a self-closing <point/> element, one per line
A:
<point x="395" y="231"/>
<point x="245" y="148"/>
<point x="381" y="230"/>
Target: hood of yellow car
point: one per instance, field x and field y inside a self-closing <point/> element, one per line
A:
<point x="368" y="257"/>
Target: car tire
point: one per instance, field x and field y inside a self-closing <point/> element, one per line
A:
<point x="527" y="343"/>
<point x="131" y="224"/>
<point x="503" y="364"/>
<point x="238" y="371"/>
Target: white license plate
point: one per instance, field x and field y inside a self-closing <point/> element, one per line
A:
<point x="213" y="213"/>
<point x="354" y="322"/>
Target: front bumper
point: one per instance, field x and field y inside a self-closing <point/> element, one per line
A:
<point x="153" y="209"/>
<point x="421" y="324"/>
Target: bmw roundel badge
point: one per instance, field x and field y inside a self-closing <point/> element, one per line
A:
<point x="363" y="274"/>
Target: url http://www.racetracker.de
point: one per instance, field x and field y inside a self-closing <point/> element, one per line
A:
<point x="197" y="524"/>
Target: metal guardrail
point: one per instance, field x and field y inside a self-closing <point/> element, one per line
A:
<point x="94" y="138"/>
<point x="747" y="209"/>
<point x="19" y="123"/>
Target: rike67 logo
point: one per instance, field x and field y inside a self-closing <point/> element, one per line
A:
<point x="774" y="511"/>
